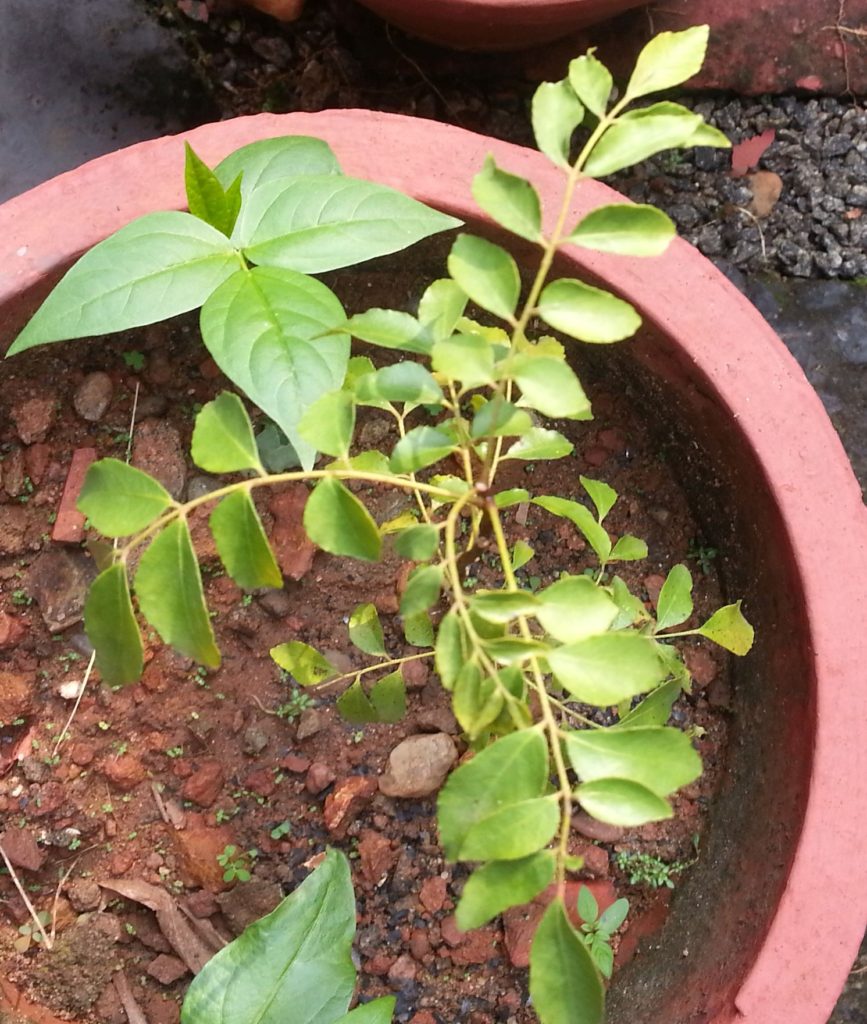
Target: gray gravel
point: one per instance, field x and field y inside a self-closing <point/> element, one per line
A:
<point x="820" y="152"/>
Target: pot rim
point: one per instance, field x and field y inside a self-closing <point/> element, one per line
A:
<point x="818" y="924"/>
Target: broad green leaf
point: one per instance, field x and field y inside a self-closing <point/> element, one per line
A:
<point x="418" y="543"/>
<point x="304" y="663"/>
<point x="155" y="267"/>
<point x="206" y="197"/>
<point x="592" y="83"/>
<point x="495" y="887"/>
<point x="582" y="517"/>
<point x="242" y="544"/>
<point x="660" y="758"/>
<point x="318" y="223"/>
<point x="631" y="609"/>
<point x="365" y="629"/>
<point x="510" y="200"/>
<point x="440" y="307"/>
<point x="503" y="605"/>
<point x="601" y="494"/>
<point x="625" y="230"/>
<point x="266" y="330"/>
<point x="401" y="382"/>
<point x="586" y="313"/>
<point x="328" y="424"/>
<point x="354" y="706"/>
<point x="513" y="496"/>
<point x="422" y="589"/>
<point x="339" y="523"/>
<point x="111" y="627"/>
<point x="169" y="591"/>
<point x="707" y="135"/>
<point x="604" y="670"/>
<point x="556" y="113"/>
<point x="288" y="156"/>
<point x="551" y="386"/>
<point x="511" y="771"/>
<point x="388" y="697"/>
<point x="669" y="59"/>
<point x="564" y="983"/>
<point x="297" y="956"/>
<point x="487" y="273"/>
<point x="574" y="608"/>
<point x="477" y="700"/>
<point x="420" y="447"/>
<point x="499" y="418"/>
<point x="728" y="628"/>
<point x="513" y="831"/>
<point x="639" y="134"/>
<point x="514" y="650"/>
<point x="629" y="549"/>
<point x="603" y="956"/>
<point x="613" y="917"/>
<point x="540" y="443"/>
<point x="223" y="439"/>
<point x="588" y="908"/>
<point x="418" y="629"/>
<point x="464" y="357"/>
<point x="621" y="802"/>
<point x="655" y="709"/>
<point x="377" y="1011"/>
<point x="674" y="604"/>
<point x="390" y="328"/>
<point x="450" y="656"/>
<point x="119" y="499"/>
<point x="521" y="554"/>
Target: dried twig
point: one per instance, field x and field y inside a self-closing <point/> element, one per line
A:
<point x="60" y="883"/>
<point x="47" y="940"/>
<point x="72" y="713"/>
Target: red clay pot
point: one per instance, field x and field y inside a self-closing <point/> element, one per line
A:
<point x="768" y="923"/>
<point x="494" y="24"/>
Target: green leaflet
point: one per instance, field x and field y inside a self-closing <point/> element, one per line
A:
<point x="291" y="967"/>
<point x="390" y="328"/>
<point x="111" y="627"/>
<point x="449" y="656"/>
<point x="422" y="589"/>
<point x="551" y="386"/>
<point x="660" y="758"/>
<point x="242" y="544"/>
<point x="206" y="197"/>
<point x="556" y="113"/>
<point x="592" y="82"/>
<point x="418" y="543"/>
<point x="378" y="1011"/>
<point x="401" y="382"/>
<point x="119" y="499"/>
<point x="655" y="709"/>
<point x="420" y="447"/>
<point x="728" y="628"/>
<point x="601" y="494"/>
<point x="418" y="629"/>
<point x="169" y="591"/>
<point x="223" y="439"/>
<point x="607" y="669"/>
<point x="498" y="418"/>
<point x="503" y="605"/>
<point x="564" y="984"/>
<point x="464" y="357"/>
<point x="440" y="308"/>
<point x="675" y="599"/>
<point x="586" y="313"/>
<point x="388" y="697"/>
<point x="354" y="705"/>
<point x="289" y="156"/>
<point x="540" y="443"/>
<point x="495" y="887"/>
<point x="667" y="60"/>
<point x="510" y="200"/>
<point x="318" y="223"/>
<point x="487" y="273"/>
<point x="502" y="784"/>
<point x="277" y="335"/>
<point x="595" y="535"/>
<point x="328" y="425"/>
<point x="625" y="230"/>
<point x="365" y="629"/>
<point x="338" y="522"/>
<point x="575" y="608"/>
<point x="477" y="701"/>
<point x="155" y="267"/>
<point x="622" y="802"/>
<point x="639" y="134"/>
<point x="304" y="663"/>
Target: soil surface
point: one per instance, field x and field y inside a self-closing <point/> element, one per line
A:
<point x="152" y="782"/>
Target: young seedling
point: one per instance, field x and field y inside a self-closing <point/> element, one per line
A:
<point x="597" y="929"/>
<point x="235" y="863"/>
<point x="522" y="662"/>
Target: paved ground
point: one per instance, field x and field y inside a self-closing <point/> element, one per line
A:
<point x="100" y="75"/>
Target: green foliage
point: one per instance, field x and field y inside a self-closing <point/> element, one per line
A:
<point x="645" y="869"/>
<point x="464" y="397"/>
<point x="235" y="864"/>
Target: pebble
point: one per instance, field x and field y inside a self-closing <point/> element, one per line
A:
<point x="58" y="582"/>
<point x="17" y="696"/>
<point x="246" y="903"/>
<point x="345" y="801"/>
<point x="84" y="894"/>
<point x="310" y="722"/>
<point x="93" y="396"/>
<point x="205" y="784"/>
<point x="254" y="740"/>
<point x="293" y="549"/>
<point x="157" y="450"/>
<point x="376" y="857"/>
<point x="418" y="765"/>
<point x="34" y="417"/>
<point x="319" y="777"/>
<point x="22" y="849"/>
<point x="167" y="969"/>
<point x="124" y="772"/>
<point x="402" y="972"/>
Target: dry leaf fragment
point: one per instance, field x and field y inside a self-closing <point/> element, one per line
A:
<point x="746" y="154"/>
<point x="767" y="188"/>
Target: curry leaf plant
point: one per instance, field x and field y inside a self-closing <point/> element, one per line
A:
<point x="525" y="667"/>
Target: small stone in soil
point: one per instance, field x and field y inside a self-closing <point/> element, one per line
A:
<point x="33" y="418"/>
<point x="246" y="903"/>
<point x="84" y="894"/>
<point x="12" y="631"/>
<point x="402" y="972"/>
<point x="124" y="772"/>
<point x="319" y="777"/>
<point x="157" y="450"/>
<point x="93" y="396"/>
<point x="204" y="785"/>
<point x="58" y="582"/>
<point x="254" y="740"/>
<point x="167" y="969"/>
<point x="22" y="850"/>
<point x="310" y="722"/>
<point x="433" y="894"/>
<point x="343" y="804"/>
<point x="376" y="856"/>
<point x="418" y="765"/>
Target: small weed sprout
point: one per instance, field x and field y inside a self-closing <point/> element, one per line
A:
<point x="235" y="864"/>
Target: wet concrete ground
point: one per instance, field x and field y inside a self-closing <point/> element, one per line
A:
<point x="101" y="75"/>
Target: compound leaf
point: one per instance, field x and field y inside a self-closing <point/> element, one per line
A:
<point x="169" y="591"/>
<point x="111" y="627"/>
<point x="242" y="544"/>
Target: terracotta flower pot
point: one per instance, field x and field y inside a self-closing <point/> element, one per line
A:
<point x="767" y="924"/>
<point x="494" y="24"/>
